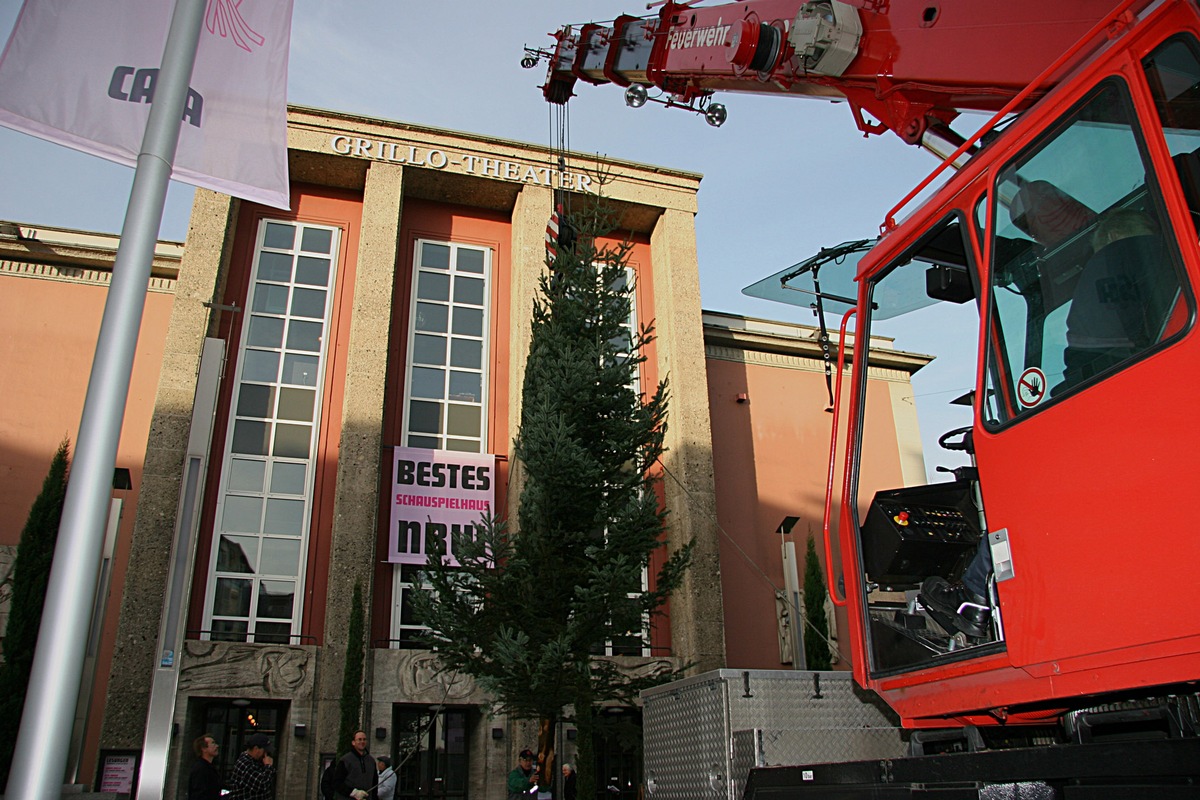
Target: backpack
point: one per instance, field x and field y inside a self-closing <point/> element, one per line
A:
<point x="327" y="781"/>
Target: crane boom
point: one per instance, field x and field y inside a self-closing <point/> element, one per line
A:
<point x="1064" y="253"/>
<point x="912" y="65"/>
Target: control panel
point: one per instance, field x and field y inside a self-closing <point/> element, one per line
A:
<point x="912" y="533"/>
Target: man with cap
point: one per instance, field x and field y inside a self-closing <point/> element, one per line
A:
<point x="355" y="775"/>
<point x="522" y="778"/>
<point x="254" y="771"/>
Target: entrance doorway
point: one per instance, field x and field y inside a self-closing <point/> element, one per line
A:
<point x="232" y="722"/>
<point x="619" y="754"/>
<point x="430" y="754"/>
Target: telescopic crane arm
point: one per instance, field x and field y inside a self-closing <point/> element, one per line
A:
<point x="912" y="65"/>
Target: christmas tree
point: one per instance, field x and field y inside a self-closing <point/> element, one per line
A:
<point x="532" y="612"/>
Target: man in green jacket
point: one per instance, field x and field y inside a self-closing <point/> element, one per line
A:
<point x="522" y="778"/>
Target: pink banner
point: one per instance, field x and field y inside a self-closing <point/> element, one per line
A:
<point x="81" y="73"/>
<point x="434" y="494"/>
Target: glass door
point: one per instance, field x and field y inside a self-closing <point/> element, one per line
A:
<point x="430" y="755"/>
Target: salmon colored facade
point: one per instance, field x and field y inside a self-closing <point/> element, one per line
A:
<point x="53" y="285"/>
<point x="337" y="294"/>
<point x="768" y="394"/>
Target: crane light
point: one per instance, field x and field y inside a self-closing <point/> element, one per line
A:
<point x="715" y="115"/>
<point x="636" y="96"/>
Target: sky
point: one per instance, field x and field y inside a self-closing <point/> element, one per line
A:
<point x="782" y="177"/>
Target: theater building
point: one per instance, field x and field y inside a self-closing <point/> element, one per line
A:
<point x="285" y="356"/>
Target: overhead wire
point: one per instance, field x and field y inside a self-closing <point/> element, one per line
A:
<point x="749" y="560"/>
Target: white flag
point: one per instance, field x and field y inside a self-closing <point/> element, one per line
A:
<point x="82" y="73"/>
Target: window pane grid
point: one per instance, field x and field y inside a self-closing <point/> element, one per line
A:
<point x="625" y="344"/>
<point x="266" y="484"/>
<point x="447" y="380"/>
<point x="631" y="644"/>
<point x="406" y="629"/>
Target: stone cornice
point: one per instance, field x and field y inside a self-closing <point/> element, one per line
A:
<point x="878" y="369"/>
<point x="729" y="337"/>
<point x="66" y="254"/>
<point x="336" y="148"/>
<point x="80" y="275"/>
<point x="337" y="119"/>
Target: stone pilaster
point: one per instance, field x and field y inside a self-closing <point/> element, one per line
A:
<point x="530" y="215"/>
<point x="697" y="619"/>
<point x="352" y="551"/>
<point x="210" y="236"/>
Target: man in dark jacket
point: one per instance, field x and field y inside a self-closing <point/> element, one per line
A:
<point x="355" y="776"/>
<point x="204" y="782"/>
<point x="1121" y="304"/>
<point x="569" y="790"/>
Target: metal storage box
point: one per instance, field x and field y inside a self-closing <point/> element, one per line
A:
<point x="703" y="734"/>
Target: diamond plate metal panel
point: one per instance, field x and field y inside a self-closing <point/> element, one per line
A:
<point x="684" y="726"/>
<point x="702" y="735"/>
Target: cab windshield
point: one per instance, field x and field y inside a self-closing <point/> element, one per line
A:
<point x="1085" y="280"/>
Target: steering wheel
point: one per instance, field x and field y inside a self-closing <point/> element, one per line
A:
<point x="966" y="443"/>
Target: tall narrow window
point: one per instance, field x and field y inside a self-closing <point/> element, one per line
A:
<point x="629" y="643"/>
<point x="265" y="496"/>
<point x="448" y="348"/>
<point x="446" y="391"/>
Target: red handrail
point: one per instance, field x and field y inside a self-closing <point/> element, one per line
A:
<point x="837" y="402"/>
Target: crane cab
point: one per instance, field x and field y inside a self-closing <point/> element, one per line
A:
<point x="1054" y="280"/>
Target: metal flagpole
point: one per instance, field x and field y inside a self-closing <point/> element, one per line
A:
<point x="62" y="639"/>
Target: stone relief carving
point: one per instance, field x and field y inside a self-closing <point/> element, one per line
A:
<point x="224" y="669"/>
<point x="635" y="667"/>
<point x="417" y="676"/>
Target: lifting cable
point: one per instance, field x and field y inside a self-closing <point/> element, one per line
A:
<point x="559" y="231"/>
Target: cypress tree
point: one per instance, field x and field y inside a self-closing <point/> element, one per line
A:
<point x="526" y="614"/>
<point x="816" y="624"/>
<point x="30" y="576"/>
<point x="352" y="677"/>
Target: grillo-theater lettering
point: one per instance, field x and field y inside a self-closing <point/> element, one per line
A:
<point x="432" y="158"/>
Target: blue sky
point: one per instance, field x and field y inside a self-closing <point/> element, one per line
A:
<point x="782" y="177"/>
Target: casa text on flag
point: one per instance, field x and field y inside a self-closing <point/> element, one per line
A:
<point x="81" y="73"/>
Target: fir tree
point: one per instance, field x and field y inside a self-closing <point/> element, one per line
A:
<point x="526" y="614"/>
<point x="816" y="624"/>
<point x="30" y="576"/>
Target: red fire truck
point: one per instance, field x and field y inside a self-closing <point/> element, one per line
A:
<point x="1045" y="587"/>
